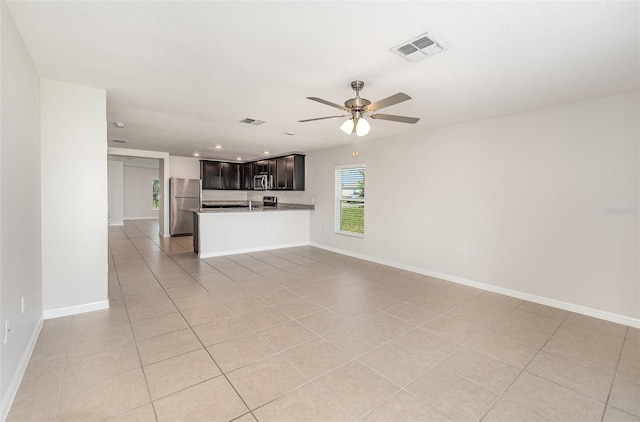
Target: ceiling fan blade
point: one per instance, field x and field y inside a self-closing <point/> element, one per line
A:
<point x="389" y="101"/>
<point x="401" y="119"/>
<point x="321" y="118"/>
<point x="329" y="103"/>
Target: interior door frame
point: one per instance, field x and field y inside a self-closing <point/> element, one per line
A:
<point x="163" y="171"/>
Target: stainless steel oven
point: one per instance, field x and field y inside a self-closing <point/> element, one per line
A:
<point x="269" y="201"/>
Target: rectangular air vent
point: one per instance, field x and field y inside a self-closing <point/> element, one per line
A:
<point x="254" y="122"/>
<point x="418" y="48"/>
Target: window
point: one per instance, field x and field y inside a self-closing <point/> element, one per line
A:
<point x="350" y="200"/>
<point x="155" y="183"/>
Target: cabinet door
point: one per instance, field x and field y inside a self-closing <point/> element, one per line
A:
<point x="273" y="168"/>
<point x="281" y="176"/>
<point x="284" y="172"/>
<point x="298" y="172"/>
<point x="288" y="172"/>
<point x="210" y="173"/>
<point x="247" y="176"/>
<point x="262" y="167"/>
<point x="230" y="176"/>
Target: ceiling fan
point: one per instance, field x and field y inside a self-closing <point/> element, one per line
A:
<point x="357" y="108"/>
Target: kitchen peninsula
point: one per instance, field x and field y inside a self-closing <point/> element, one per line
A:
<point x="225" y="228"/>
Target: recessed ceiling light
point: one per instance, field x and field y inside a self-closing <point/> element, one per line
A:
<point x="289" y="133"/>
<point x="195" y="154"/>
<point x="119" y="125"/>
<point x="266" y="153"/>
<point x="239" y="158"/>
<point x="120" y="141"/>
<point x="218" y="146"/>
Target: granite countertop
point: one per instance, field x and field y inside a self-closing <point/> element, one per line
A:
<point x="243" y="206"/>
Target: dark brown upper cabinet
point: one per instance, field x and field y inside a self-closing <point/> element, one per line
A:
<point x="288" y="173"/>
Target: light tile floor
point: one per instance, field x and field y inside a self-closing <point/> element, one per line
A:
<point x="303" y="334"/>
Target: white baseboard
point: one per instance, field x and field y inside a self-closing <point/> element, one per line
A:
<point x="16" y="379"/>
<point x="248" y="250"/>
<point x="571" y="307"/>
<point x="116" y="224"/>
<point x="140" y="218"/>
<point x="78" y="309"/>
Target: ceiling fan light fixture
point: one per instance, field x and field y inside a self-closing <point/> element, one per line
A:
<point x="363" y="127"/>
<point x="359" y="107"/>
<point x="347" y="127"/>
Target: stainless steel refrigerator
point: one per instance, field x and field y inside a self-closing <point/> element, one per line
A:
<point x="184" y="195"/>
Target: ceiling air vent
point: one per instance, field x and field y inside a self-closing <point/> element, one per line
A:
<point x="418" y="48"/>
<point x="253" y="122"/>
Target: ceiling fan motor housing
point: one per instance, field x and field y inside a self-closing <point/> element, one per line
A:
<point x="357" y="103"/>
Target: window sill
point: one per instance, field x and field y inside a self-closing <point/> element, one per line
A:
<point x="351" y="234"/>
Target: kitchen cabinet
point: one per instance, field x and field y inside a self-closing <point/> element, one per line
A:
<point x="220" y="175"/>
<point x="262" y="167"/>
<point x="248" y="171"/>
<point x="273" y="164"/>
<point x="290" y="172"/>
<point x="286" y="172"/>
<point x="211" y="174"/>
<point x="231" y="175"/>
<point x="266" y="167"/>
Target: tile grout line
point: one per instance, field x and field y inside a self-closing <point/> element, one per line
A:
<point x="281" y="355"/>
<point x="615" y="375"/>
<point x="146" y="382"/>
<point x="66" y="356"/>
<point x="172" y="253"/>
<point x="64" y="370"/>
<point x="522" y="370"/>
<point x="203" y="346"/>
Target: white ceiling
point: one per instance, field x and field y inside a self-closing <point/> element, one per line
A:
<point x="181" y="75"/>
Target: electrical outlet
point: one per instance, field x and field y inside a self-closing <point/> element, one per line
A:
<point x="464" y="253"/>
<point x="22" y="303"/>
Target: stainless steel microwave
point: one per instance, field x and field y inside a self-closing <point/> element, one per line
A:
<point x="262" y="182"/>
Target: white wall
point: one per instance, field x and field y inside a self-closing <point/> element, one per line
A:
<point x="115" y="181"/>
<point x="138" y="192"/>
<point x="545" y="203"/>
<point x="74" y="197"/>
<point x="184" y="167"/>
<point x="20" y="230"/>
